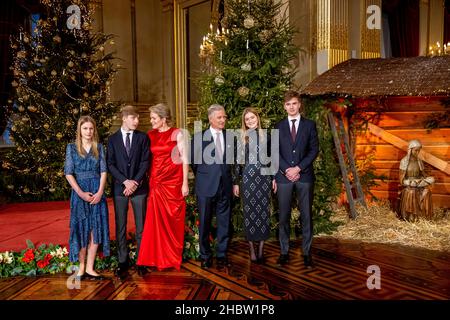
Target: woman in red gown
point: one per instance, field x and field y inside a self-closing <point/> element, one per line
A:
<point x="163" y="237"/>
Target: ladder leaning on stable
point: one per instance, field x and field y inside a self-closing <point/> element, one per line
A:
<point x="338" y="136"/>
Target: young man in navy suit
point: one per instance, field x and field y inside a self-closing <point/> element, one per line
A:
<point x="211" y="164"/>
<point x="128" y="162"/>
<point x="298" y="148"/>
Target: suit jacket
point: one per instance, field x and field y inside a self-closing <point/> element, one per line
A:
<point x="135" y="167"/>
<point x="300" y="153"/>
<point x="207" y="172"/>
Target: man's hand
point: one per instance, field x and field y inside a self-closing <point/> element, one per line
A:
<point x="274" y="186"/>
<point x="236" y="190"/>
<point x="293" y="173"/>
<point x="130" y="187"/>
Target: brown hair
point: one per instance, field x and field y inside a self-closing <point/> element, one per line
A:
<point x="162" y="111"/>
<point x="288" y="95"/>
<point x="129" y="110"/>
<point x="79" y="142"/>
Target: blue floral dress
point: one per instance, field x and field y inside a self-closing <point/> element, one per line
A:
<point x="84" y="217"/>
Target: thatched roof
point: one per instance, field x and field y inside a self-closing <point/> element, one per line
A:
<point x="417" y="76"/>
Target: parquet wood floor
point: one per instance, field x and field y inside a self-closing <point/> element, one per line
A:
<point x="340" y="274"/>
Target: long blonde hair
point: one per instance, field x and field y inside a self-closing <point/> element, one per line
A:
<point x="79" y="142"/>
<point x="244" y="135"/>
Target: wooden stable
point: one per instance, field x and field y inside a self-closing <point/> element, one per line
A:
<point x="408" y="91"/>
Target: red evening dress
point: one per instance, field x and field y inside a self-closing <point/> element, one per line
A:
<point x="163" y="235"/>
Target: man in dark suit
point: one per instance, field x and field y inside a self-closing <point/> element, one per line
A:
<point x="128" y="162"/>
<point x="298" y="148"/>
<point x="211" y="158"/>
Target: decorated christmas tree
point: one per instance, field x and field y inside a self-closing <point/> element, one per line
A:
<point x="247" y="61"/>
<point x="61" y="71"/>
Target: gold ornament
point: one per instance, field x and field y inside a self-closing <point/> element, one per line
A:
<point x="32" y="108"/>
<point x="52" y="102"/>
<point x="84" y="55"/>
<point x="46" y="126"/>
<point x="88" y="75"/>
<point x="57" y="39"/>
<point x="40" y="170"/>
<point x="243" y="91"/>
<point x="10" y="187"/>
<point x="60" y="174"/>
<point x="21" y="109"/>
<point x="30" y="73"/>
<point x="84" y="107"/>
<point x="53" y="73"/>
<point x="21" y="54"/>
<point x="70" y="64"/>
<point x="59" y="135"/>
<point x="20" y="149"/>
<point x="26" y="190"/>
<point x="14" y="129"/>
<point x="26" y="40"/>
<point x="37" y="140"/>
<point x="5" y="165"/>
<point x="86" y="95"/>
<point x="52" y="190"/>
<point x="14" y="83"/>
<point x="68" y="123"/>
<point x="249" y="22"/>
<point x="72" y="52"/>
<point x="86" y="26"/>
<point x="26" y="97"/>
<point x="42" y="61"/>
<point x="44" y="152"/>
<point x="75" y="111"/>
<point x="101" y="49"/>
<point x="112" y="42"/>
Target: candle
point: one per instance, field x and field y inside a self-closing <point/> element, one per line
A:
<point x="247" y="44"/>
<point x="210" y="27"/>
<point x="220" y="55"/>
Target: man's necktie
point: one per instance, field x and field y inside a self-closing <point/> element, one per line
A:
<point x="128" y="144"/>
<point x="293" y="131"/>
<point x="219" y="150"/>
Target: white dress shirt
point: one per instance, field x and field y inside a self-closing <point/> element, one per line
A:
<point x="298" y="117"/>
<point x="214" y="134"/>
<point x="124" y="136"/>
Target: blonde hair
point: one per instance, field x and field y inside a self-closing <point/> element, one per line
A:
<point x="79" y="142"/>
<point x="244" y="135"/>
<point x="162" y="111"/>
<point x="129" y="110"/>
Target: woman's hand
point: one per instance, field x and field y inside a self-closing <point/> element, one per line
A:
<point x="274" y="186"/>
<point x="96" y="197"/>
<point x="236" y="190"/>
<point x="86" y="196"/>
<point x="185" y="189"/>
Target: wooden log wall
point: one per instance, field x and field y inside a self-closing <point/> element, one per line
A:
<point x="405" y="118"/>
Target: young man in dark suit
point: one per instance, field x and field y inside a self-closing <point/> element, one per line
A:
<point x="298" y="148"/>
<point x="128" y="162"/>
<point x="211" y="158"/>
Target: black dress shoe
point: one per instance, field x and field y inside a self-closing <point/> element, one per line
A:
<point x="223" y="262"/>
<point x="206" y="263"/>
<point x="92" y="277"/>
<point x="283" y="259"/>
<point x="261" y="260"/>
<point x="121" y="272"/>
<point x="142" y="271"/>
<point x="307" y="260"/>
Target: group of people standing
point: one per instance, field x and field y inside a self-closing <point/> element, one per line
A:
<point x="151" y="171"/>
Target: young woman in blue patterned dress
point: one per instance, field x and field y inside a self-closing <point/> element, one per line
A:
<point x="85" y="170"/>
